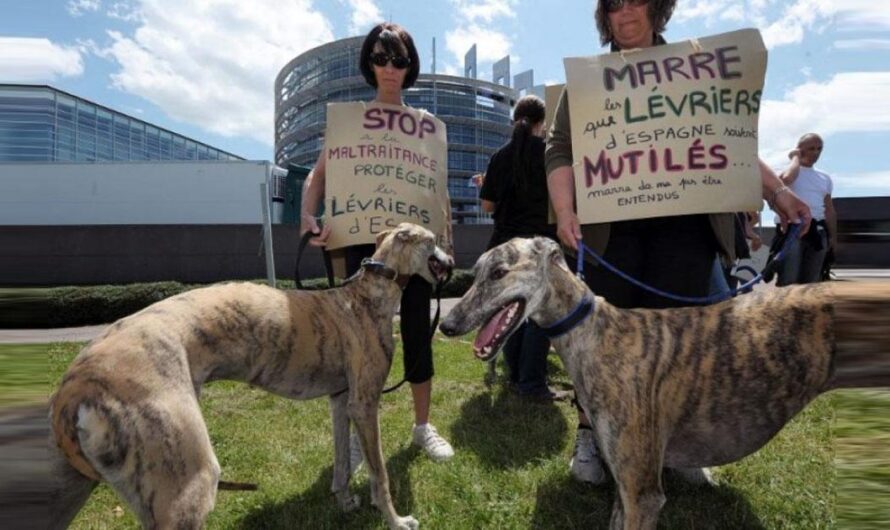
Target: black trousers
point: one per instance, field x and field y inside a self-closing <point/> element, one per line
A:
<point x="415" y="318"/>
<point x="674" y="254"/>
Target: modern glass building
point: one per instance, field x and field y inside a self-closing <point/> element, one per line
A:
<point x="39" y="123"/>
<point x="476" y="113"/>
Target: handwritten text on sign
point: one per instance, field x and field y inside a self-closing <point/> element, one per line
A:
<point x="668" y="130"/>
<point x="385" y="165"/>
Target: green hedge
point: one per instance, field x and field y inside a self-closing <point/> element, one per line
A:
<point x="63" y="307"/>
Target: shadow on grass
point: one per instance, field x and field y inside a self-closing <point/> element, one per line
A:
<point x="317" y="508"/>
<point x="506" y="431"/>
<point x="565" y="503"/>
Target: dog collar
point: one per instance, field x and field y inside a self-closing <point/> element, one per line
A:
<point x="380" y="269"/>
<point x="568" y="322"/>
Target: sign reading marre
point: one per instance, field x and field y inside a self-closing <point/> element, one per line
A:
<point x="668" y="130"/>
<point x="385" y="165"/>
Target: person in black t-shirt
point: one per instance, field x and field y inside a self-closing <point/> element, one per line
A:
<point x="514" y="190"/>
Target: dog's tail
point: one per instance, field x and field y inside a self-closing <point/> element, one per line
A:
<point x="66" y="408"/>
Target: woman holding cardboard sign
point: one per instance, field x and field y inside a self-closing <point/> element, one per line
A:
<point x="389" y="63"/>
<point x="673" y="253"/>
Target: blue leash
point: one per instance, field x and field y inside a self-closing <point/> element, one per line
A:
<point x="747" y="286"/>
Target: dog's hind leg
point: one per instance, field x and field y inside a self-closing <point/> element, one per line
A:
<point x="342" y="470"/>
<point x="157" y="456"/>
<point x="70" y="490"/>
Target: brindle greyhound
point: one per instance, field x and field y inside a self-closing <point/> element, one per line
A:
<point x="127" y="409"/>
<point x="682" y="388"/>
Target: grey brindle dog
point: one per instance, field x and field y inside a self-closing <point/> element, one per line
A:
<point x="127" y="409"/>
<point x="682" y="388"/>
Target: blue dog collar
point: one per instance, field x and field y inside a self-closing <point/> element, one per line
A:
<point x="570" y="321"/>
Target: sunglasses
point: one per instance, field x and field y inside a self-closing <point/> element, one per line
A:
<point x="615" y="5"/>
<point x="381" y="59"/>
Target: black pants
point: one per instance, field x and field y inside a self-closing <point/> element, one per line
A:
<point x="415" y="318"/>
<point x="674" y="254"/>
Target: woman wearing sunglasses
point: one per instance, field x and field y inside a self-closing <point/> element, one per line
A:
<point x="673" y="253"/>
<point x="389" y="63"/>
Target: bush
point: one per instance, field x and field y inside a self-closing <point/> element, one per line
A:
<point x="63" y="307"/>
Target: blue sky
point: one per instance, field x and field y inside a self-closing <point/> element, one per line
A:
<point x="205" y="68"/>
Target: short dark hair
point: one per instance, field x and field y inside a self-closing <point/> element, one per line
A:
<point x="395" y="41"/>
<point x="659" y="11"/>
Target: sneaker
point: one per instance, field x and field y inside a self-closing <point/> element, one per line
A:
<point x="355" y="453"/>
<point x="585" y="465"/>
<point x="426" y="437"/>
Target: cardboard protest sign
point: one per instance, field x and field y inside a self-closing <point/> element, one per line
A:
<point x="385" y="164"/>
<point x="667" y="130"/>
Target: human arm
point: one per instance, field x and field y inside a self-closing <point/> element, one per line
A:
<point x="831" y="222"/>
<point x="488" y="206"/>
<point x="560" y="178"/>
<point x="793" y="170"/>
<point x="751" y="220"/>
<point x="783" y="201"/>
<point x="313" y="193"/>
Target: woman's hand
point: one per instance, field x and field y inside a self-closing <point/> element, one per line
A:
<point x="568" y="229"/>
<point x="791" y="209"/>
<point x="308" y="223"/>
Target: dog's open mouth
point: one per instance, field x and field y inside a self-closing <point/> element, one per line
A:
<point x="438" y="269"/>
<point x="496" y="330"/>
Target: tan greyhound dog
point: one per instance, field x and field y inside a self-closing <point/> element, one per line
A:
<point x="682" y="388"/>
<point x="127" y="409"/>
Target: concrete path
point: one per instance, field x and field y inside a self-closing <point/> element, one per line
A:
<point x="87" y="333"/>
<point x="84" y="334"/>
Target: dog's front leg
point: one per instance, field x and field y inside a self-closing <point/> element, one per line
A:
<point x="342" y="471"/>
<point x="634" y="454"/>
<point x="363" y="412"/>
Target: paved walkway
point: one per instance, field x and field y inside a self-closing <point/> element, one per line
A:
<point x="87" y="333"/>
<point x="84" y="334"/>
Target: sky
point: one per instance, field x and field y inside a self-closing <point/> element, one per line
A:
<point x="206" y="68"/>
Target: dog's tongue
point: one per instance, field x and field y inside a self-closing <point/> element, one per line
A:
<point x="487" y="333"/>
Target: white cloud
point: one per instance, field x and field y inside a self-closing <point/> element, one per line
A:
<point x="863" y="15"/>
<point x="485" y="10"/>
<point x="26" y="60"/>
<point x="365" y="14"/>
<point x="475" y="24"/>
<point x="490" y="45"/>
<point x="213" y="63"/>
<point x="77" y="8"/>
<point x="124" y="10"/>
<point x="862" y="44"/>
<point x="848" y="102"/>
<point x="779" y="27"/>
<point x="865" y="184"/>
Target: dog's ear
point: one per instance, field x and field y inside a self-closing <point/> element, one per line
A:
<point x="551" y="251"/>
<point x="381" y="236"/>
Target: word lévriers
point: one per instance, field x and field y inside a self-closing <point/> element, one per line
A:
<point x="388" y="205"/>
<point x="612" y="166"/>
<point x="696" y="66"/>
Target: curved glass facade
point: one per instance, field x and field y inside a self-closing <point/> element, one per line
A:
<point x="43" y="124"/>
<point x="476" y="114"/>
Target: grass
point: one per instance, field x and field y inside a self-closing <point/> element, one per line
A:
<point x="23" y="376"/>
<point x="510" y="468"/>
<point x="863" y="460"/>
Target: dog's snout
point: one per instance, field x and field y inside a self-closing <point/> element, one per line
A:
<point x="448" y="328"/>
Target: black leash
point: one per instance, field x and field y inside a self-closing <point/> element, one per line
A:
<point x="367" y="264"/>
<point x="328" y="266"/>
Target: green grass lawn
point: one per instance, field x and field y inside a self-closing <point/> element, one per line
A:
<point x="510" y="468"/>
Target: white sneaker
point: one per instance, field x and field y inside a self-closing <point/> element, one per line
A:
<point x="355" y="452"/>
<point x="585" y="465"/>
<point x="435" y="446"/>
